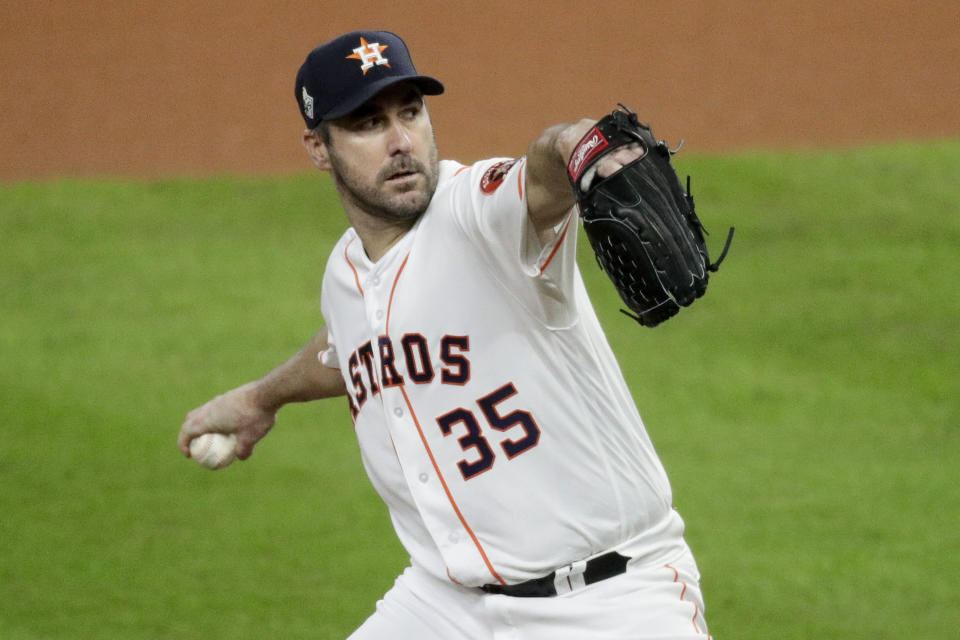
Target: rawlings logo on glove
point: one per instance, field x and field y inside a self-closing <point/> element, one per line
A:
<point x="641" y="221"/>
<point x="591" y="144"/>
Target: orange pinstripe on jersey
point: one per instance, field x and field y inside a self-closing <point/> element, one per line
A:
<point x="356" y="276"/>
<point x="423" y="439"/>
<point x="520" y="177"/>
<point x="446" y="489"/>
<point x="386" y="329"/>
<point x="563" y="234"/>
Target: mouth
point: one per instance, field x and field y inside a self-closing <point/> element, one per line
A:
<point x="402" y="177"/>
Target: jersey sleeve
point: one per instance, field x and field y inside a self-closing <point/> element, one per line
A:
<point x="490" y="206"/>
<point x="328" y="357"/>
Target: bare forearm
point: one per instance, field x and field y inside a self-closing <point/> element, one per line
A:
<point x="302" y="378"/>
<point x="250" y="410"/>
<point x="548" y="193"/>
<point x="546" y="161"/>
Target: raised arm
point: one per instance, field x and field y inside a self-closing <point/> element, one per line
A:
<point x="549" y="194"/>
<point x="250" y="410"/>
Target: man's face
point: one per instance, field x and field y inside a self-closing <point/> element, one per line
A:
<point x="383" y="156"/>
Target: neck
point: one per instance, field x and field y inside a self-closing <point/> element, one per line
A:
<point x="378" y="235"/>
<point x="378" y="231"/>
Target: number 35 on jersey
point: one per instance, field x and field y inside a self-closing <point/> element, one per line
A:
<point x="512" y="431"/>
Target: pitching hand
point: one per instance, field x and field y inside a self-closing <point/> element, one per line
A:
<point x="235" y="411"/>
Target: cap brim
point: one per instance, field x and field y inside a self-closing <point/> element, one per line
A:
<point x="429" y="86"/>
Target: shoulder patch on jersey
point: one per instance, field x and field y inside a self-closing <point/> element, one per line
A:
<point x="493" y="177"/>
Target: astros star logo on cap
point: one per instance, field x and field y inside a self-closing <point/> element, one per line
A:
<point x="369" y="54"/>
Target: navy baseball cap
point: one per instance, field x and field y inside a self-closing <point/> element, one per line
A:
<point x="341" y="75"/>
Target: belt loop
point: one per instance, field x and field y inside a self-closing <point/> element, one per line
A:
<point x="570" y="577"/>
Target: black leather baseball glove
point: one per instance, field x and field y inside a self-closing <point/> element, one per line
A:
<point x="641" y="221"/>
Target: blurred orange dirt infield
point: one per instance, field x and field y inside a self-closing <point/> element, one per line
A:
<point x="183" y="88"/>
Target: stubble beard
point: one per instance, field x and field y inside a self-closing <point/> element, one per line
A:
<point x="401" y="204"/>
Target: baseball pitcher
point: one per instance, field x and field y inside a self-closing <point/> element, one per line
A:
<point x="491" y="413"/>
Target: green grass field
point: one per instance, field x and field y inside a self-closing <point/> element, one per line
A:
<point x="806" y="409"/>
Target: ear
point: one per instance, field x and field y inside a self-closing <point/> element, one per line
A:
<point x="316" y="149"/>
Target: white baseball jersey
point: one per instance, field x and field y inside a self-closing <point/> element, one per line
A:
<point x="491" y="414"/>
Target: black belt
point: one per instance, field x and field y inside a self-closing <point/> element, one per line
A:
<point x="593" y="570"/>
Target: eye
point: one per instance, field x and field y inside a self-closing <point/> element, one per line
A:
<point x="413" y="110"/>
<point x="369" y="124"/>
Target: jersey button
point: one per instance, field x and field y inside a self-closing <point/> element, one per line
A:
<point x="424" y="477"/>
<point x="397" y="411"/>
<point x="454" y="537"/>
<point x="375" y="281"/>
<point x="379" y="314"/>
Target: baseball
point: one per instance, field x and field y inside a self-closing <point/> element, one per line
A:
<point x="213" y="450"/>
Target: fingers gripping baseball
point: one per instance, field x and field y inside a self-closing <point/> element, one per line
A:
<point x="234" y="412"/>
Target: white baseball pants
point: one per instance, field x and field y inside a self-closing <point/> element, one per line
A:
<point x="655" y="601"/>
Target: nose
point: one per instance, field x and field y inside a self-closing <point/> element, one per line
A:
<point x="399" y="141"/>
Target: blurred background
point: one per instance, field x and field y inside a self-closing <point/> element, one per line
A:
<point x="163" y="235"/>
<point x="135" y="88"/>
